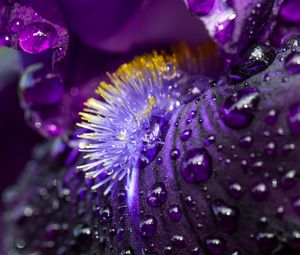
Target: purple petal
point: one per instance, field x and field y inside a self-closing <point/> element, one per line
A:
<point x="233" y="24"/>
<point x="119" y="26"/>
<point x="235" y="193"/>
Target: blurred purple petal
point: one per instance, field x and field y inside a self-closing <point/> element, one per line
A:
<point x="120" y="26"/>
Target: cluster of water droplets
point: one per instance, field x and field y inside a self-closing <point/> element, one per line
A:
<point x="28" y="31"/>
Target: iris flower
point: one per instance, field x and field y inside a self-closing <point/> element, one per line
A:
<point x="170" y="127"/>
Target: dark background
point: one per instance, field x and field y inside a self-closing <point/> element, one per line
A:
<point x="16" y="139"/>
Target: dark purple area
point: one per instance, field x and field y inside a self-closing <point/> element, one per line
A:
<point x="17" y="140"/>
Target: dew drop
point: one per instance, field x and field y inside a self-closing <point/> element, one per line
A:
<point x="256" y="59"/>
<point x="148" y="226"/>
<point x="127" y="251"/>
<point x="215" y="246"/>
<point x="178" y="241"/>
<point x="271" y="117"/>
<point x="175" y="213"/>
<point x="186" y="135"/>
<point x="37" y="37"/>
<point x="267" y="242"/>
<point x="158" y="195"/>
<point x="260" y="191"/>
<point x="105" y="214"/>
<point x="209" y="140"/>
<point x="291" y="41"/>
<point x="235" y="190"/>
<point x="296" y="205"/>
<point x="175" y="154"/>
<point x="292" y="63"/>
<point x="246" y="141"/>
<point x="270" y="149"/>
<point x="294" y="118"/>
<point x="226" y="216"/>
<point x="196" y="166"/>
<point x="16" y="25"/>
<point x="238" y="110"/>
<point x="288" y="181"/>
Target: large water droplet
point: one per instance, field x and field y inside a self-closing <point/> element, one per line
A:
<point x="225" y="215"/>
<point x="148" y="226"/>
<point x="37" y="37"/>
<point x="158" y="195"/>
<point x="294" y="118"/>
<point x="292" y="63"/>
<point x="256" y="59"/>
<point x="238" y="110"/>
<point x="196" y="166"/>
<point x="39" y="86"/>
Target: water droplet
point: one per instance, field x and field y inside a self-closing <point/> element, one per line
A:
<point x="105" y="214"/>
<point x="39" y="86"/>
<point x="294" y="118"/>
<point x="271" y="117"/>
<point x="235" y="190"/>
<point x="288" y="181"/>
<point x="225" y="215"/>
<point x="127" y="251"/>
<point x="186" y="135"/>
<point x="270" y="149"/>
<point x="257" y="166"/>
<point x="158" y="195"/>
<point x="294" y="240"/>
<point x="209" y="140"/>
<point x="37" y="37"/>
<point x="196" y="166"/>
<point x="175" y="213"/>
<point x="201" y="8"/>
<point x="246" y="141"/>
<point x="83" y="235"/>
<point x="292" y="63"/>
<point x="178" y="241"/>
<point x="267" y="242"/>
<point x="4" y="40"/>
<point x="256" y="59"/>
<point x="215" y="246"/>
<point x="291" y="41"/>
<point x="260" y="191"/>
<point x="16" y="25"/>
<point x="148" y="226"/>
<point x="238" y="110"/>
<point x="175" y="154"/>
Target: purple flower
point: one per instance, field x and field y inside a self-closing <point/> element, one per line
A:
<point x="184" y="150"/>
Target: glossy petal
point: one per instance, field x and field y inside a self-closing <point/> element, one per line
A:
<point x="233" y="189"/>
